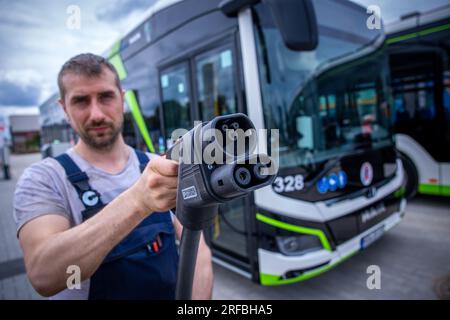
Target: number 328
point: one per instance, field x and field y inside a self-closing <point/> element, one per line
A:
<point x="288" y="183"/>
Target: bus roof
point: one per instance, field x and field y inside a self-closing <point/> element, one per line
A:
<point x="162" y="18"/>
<point x="159" y="5"/>
<point x="418" y="19"/>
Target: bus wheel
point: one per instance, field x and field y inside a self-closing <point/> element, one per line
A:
<point x="411" y="181"/>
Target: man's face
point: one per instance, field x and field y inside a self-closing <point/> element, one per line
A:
<point x="94" y="106"/>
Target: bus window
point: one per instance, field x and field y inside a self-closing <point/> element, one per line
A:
<point x="419" y="103"/>
<point x="217" y="96"/>
<point x="446" y="98"/>
<point x="128" y="131"/>
<point x="216" y="88"/>
<point x="415" y="101"/>
<point x="175" y="99"/>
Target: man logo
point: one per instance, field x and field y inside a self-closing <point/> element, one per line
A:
<point x="366" y="174"/>
<point x="89" y="198"/>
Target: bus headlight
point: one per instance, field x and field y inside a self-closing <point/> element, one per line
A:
<point x="298" y="245"/>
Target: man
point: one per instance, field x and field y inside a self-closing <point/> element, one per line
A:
<point x="4" y="151"/>
<point x="92" y="210"/>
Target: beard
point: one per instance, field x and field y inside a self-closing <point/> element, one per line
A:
<point x="103" y="140"/>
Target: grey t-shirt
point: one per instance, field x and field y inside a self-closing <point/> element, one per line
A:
<point x="44" y="189"/>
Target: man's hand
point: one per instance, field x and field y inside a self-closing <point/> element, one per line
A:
<point x="156" y="189"/>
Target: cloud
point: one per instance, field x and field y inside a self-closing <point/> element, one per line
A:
<point x="35" y="37"/>
<point x="23" y="14"/>
<point x="119" y="9"/>
<point x="20" y="88"/>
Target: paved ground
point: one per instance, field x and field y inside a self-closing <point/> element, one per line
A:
<point x="413" y="257"/>
<point x="13" y="282"/>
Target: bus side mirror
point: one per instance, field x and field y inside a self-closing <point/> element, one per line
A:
<point x="232" y="7"/>
<point x="296" y="21"/>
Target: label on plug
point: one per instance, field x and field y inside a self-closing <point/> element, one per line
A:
<point x="189" y="193"/>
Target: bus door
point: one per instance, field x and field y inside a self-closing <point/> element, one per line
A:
<point x="218" y="92"/>
<point x="205" y="85"/>
<point x="445" y="165"/>
<point x="422" y="104"/>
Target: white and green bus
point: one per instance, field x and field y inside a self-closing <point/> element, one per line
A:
<point x="311" y="69"/>
<point x="419" y="50"/>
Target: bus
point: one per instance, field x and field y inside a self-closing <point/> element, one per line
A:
<point x="419" y="50"/>
<point x="311" y="69"/>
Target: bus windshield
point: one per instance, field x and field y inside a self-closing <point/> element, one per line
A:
<point x="328" y="102"/>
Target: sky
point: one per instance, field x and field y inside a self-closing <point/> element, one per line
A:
<point x="36" y="40"/>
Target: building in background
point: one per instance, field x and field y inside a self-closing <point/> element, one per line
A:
<point x="56" y="133"/>
<point x="25" y="135"/>
<point x="54" y="126"/>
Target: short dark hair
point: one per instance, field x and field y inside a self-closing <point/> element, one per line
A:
<point x="86" y="64"/>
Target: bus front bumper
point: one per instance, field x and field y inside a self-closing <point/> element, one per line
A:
<point x="277" y="269"/>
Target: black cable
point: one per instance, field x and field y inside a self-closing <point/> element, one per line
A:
<point x="186" y="267"/>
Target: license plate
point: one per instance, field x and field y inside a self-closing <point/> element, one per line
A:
<point x="371" y="237"/>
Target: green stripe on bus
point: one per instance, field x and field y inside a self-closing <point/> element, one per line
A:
<point x="130" y="97"/>
<point x="445" y="191"/>
<point x="420" y="33"/>
<point x="283" y="225"/>
<point x="272" y="280"/>
<point x="114" y="49"/>
<point x="400" y="192"/>
<point x="434" y="189"/>
<point x="429" y="189"/>
<point x="117" y="62"/>
<point x="402" y="38"/>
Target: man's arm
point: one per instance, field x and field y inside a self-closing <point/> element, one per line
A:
<point x="203" y="277"/>
<point x="50" y="245"/>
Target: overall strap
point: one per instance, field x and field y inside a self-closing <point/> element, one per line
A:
<point x="143" y="159"/>
<point x="89" y="197"/>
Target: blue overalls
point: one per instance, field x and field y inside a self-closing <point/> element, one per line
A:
<point x="144" y="264"/>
